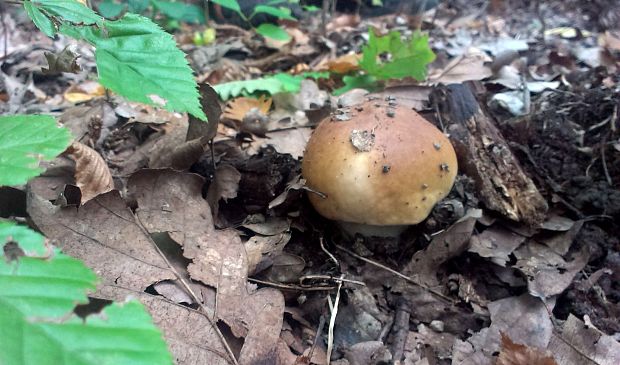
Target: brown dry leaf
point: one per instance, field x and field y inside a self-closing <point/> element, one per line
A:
<point x="342" y="65"/>
<point x="65" y="61"/>
<point x="517" y="354"/>
<point x="225" y="185"/>
<point x="209" y="102"/>
<point x="172" y="150"/>
<point x="172" y="202"/>
<point x="469" y="66"/>
<point x="292" y="141"/>
<point x="581" y="343"/>
<point x="84" y="91"/>
<point x="92" y="174"/>
<point x="450" y="243"/>
<point x="238" y="108"/>
<point x="262" y="249"/>
<point x="104" y="235"/>
<point x="547" y="272"/>
<point x="496" y="243"/>
<point x="342" y="22"/>
<point x="524" y="318"/>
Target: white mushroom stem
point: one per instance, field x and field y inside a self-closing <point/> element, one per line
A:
<point x="368" y="230"/>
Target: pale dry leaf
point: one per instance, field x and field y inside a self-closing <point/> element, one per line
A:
<point x="547" y="272"/>
<point x="172" y="202"/>
<point x="496" y="243"/>
<point x="84" y="91"/>
<point x="579" y="343"/>
<point x="516" y="354"/>
<point x="261" y="250"/>
<point x="470" y="66"/>
<point x="102" y="233"/>
<point x="188" y="333"/>
<point x="342" y="65"/>
<point x="224" y="186"/>
<point x="524" y="318"/>
<point x="450" y="243"/>
<point x="238" y="108"/>
<point x="92" y="174"/>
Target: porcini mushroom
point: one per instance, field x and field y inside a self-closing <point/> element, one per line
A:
<point x="380" y="166"/>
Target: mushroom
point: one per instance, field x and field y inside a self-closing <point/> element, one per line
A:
<point x="379" y="166"/>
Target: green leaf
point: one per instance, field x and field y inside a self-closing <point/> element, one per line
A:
<point x="24" y="141"/>
<point x="188" y="13"/>
<point x="137" y="6"/>
<point x="273" y="31"/>
<point x="367" y="82"/>
<point x="278" y="83"/>
<point x="110" y="9"/>
<point x="311" y="8"/>
<point x="229" y="4"/>
<point x="137" y="59"/>
<point x="69" y="10"/>
<point x="408" y="59"/>
<point x="40" y="20"/>
<point x="280" y="13"/>
<point x="39" y="288"/>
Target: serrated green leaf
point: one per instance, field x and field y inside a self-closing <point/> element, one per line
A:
<point x="280" y="13"/>
<point x="229" y="4"/>
<point x="273" y="31"/>
<point x="140" y="61"/>
<point x="278" y="83"/>
<point x="137" y="6"/>
<point x="39" y="287"/>
<point x="408" y="59"/>
<point x="69" y="10"/>
<point x="367" y="82"/>
<point x="188" y="13"/>
<point x="110" y="9"/>
<point x="24" y="141"/>
<point x="42" y="22"/>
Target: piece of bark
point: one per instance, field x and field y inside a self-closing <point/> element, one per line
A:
<point x="484" y="155"/>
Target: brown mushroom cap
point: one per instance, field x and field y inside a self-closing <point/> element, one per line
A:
<point x="385" y="165"/>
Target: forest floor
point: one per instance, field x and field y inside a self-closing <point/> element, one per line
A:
<point x="495" y="275"/>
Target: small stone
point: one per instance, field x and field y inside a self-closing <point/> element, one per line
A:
<point x="437" y="326"/>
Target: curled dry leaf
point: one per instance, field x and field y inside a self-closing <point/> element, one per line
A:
<point x="224" y="186"/>
<point x="92" y="174"/>
<point x="342" y="65"/>
<point x="83" y="92"/>
<point x="517" y="354"/>
<point x="237" y="109"/>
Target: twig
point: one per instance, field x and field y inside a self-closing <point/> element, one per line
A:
<point x="290" y="286"/>
<point x="327" y="252"/>
<point x="400" y="328"/>
<point x="319" y="330"/>
<point x="404" y="277"/>
<point x="604" y="160"/>
<point x="332" y="322"/>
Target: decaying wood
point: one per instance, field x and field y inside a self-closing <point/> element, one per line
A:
<point x="484" y="155"/>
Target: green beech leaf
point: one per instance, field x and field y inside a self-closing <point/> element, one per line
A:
<point x="278" y="83"/>
<point x="273" y="31"/>
<point x="140" y="61"/>
<point x="39" y="288"/>
<point x="24" y="141"/>
<point x="69" y="10"/>
<point x="367" y="82"/>
<point x="188" y="13"/>
<point x="407" y="59"/>
<point x="110" y="9"/>
<point x="280" y="13"/>
<point x="137" y="6"/>
<point x="229" y="4"/>
<point x="40" y="20"/>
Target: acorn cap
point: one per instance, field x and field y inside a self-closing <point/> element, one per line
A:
<point x="378" y="163"/>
